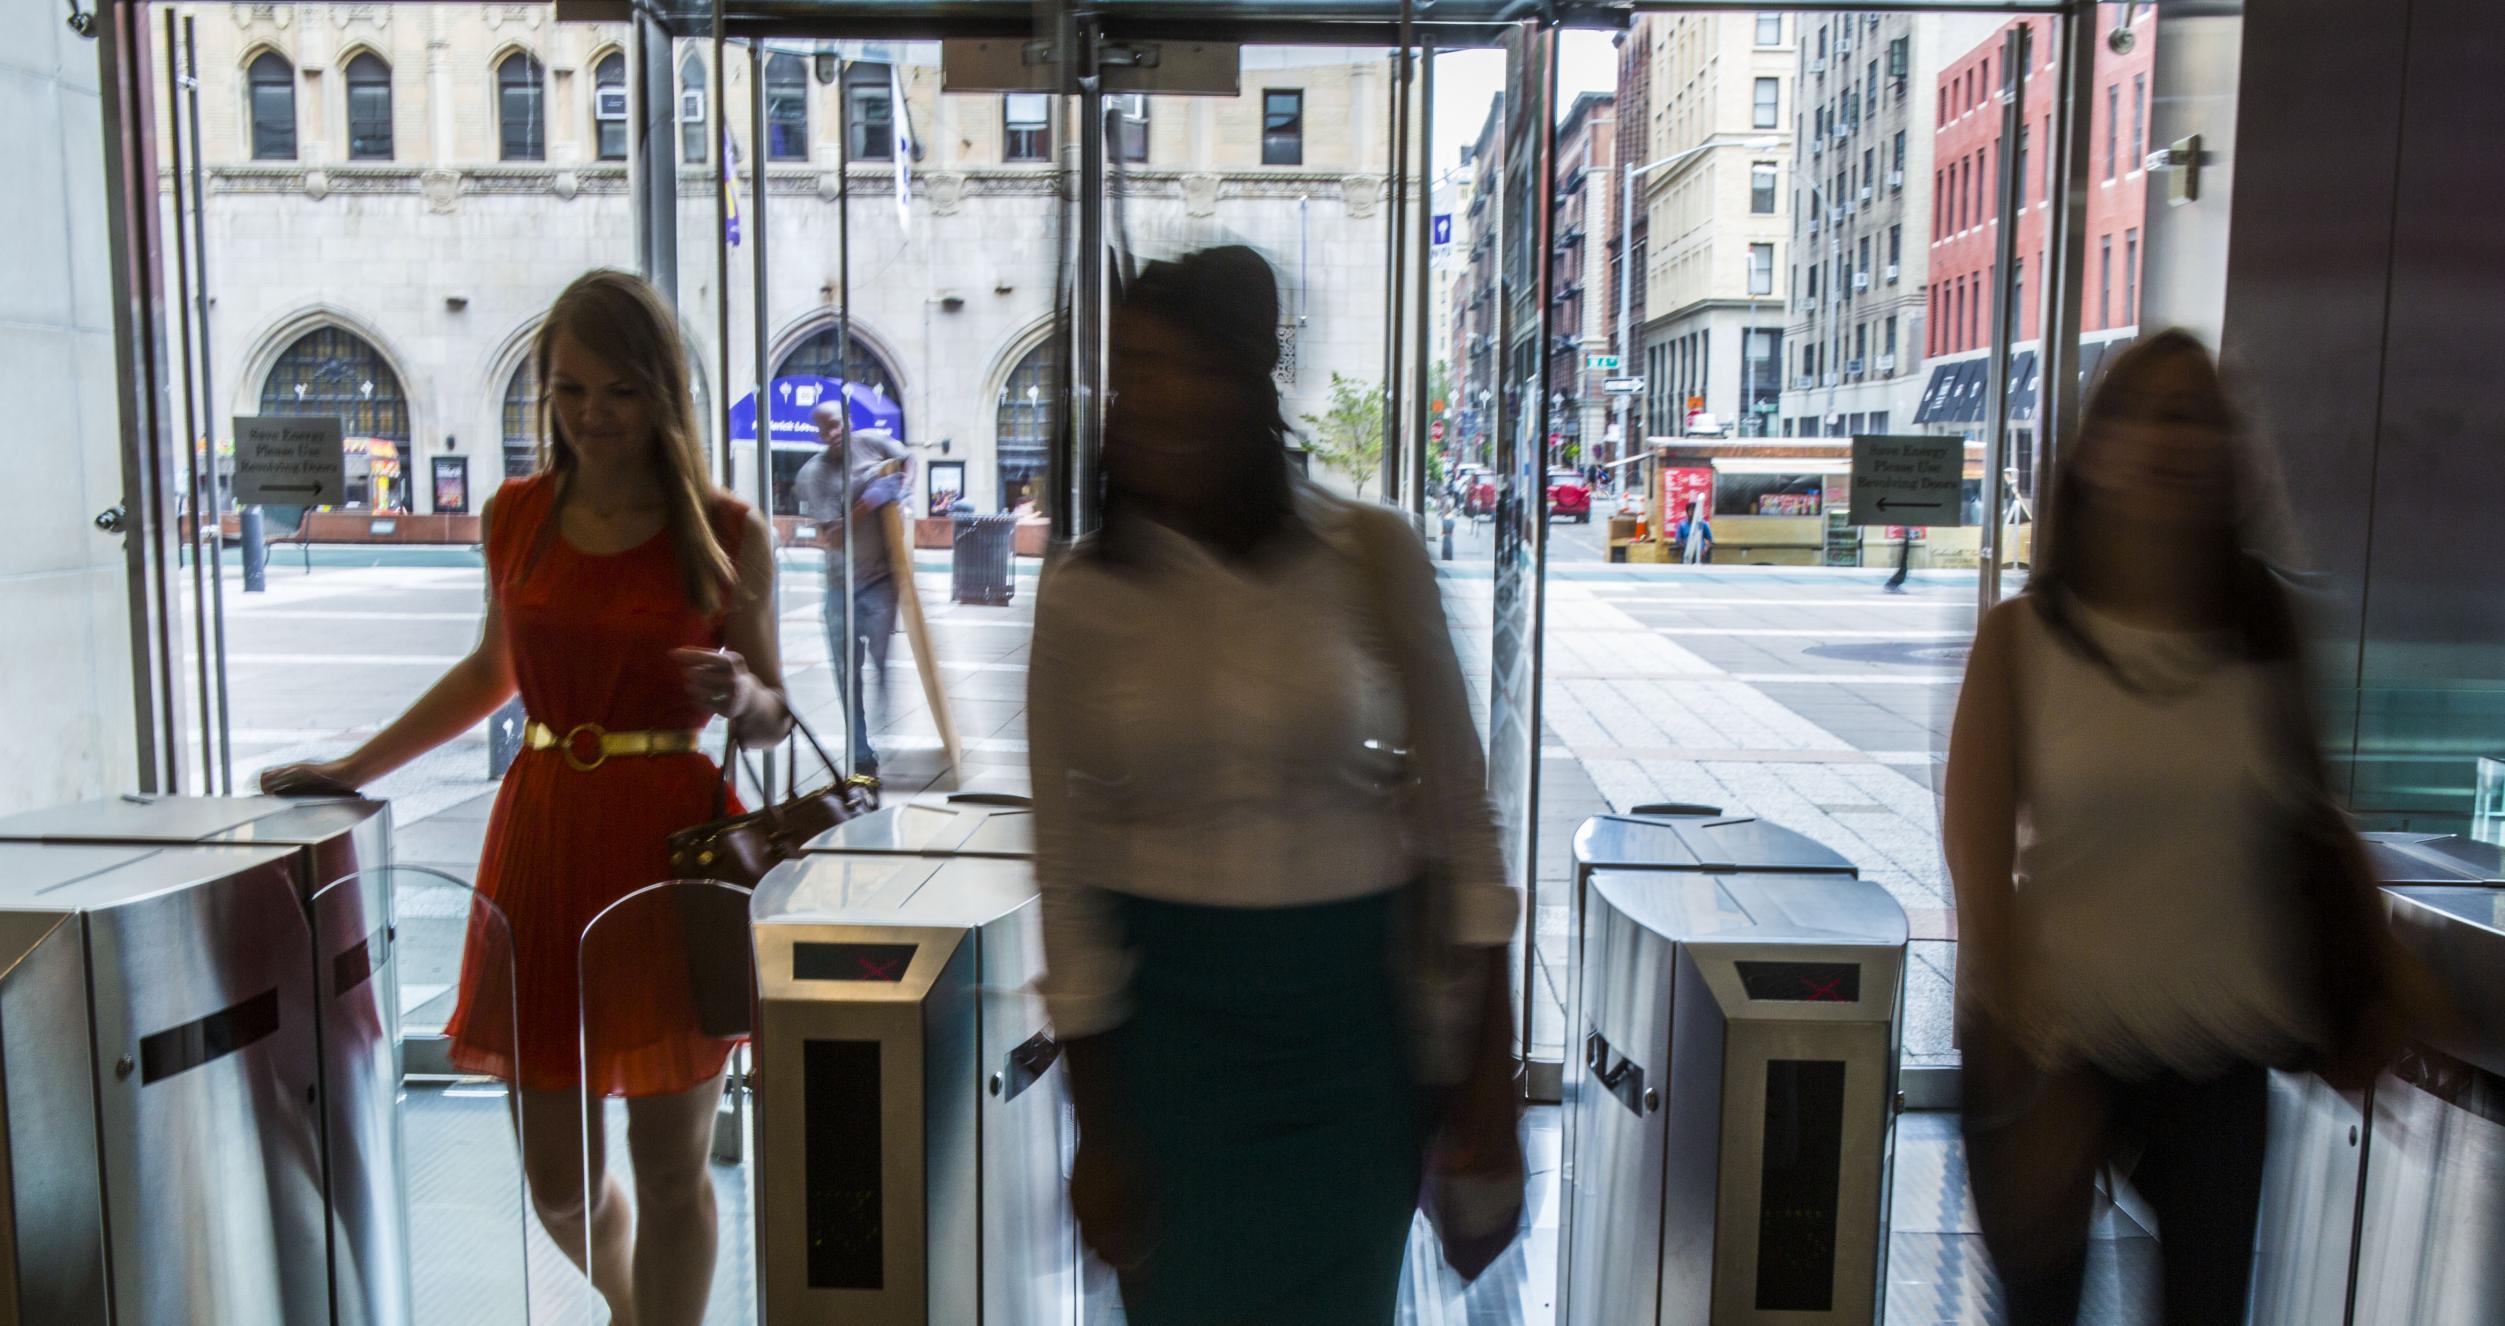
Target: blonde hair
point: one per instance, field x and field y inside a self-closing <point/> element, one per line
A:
<point x="620" y="318"/>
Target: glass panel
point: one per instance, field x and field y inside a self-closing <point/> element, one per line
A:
<point x="668" y="993"/>
<point x="949" y="354"/>
<point x="400" y="950"/>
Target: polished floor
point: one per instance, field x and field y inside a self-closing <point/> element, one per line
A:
<point x="481" y="1262"/>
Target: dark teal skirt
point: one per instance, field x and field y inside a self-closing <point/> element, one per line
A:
<point x="1266" y="1075"/>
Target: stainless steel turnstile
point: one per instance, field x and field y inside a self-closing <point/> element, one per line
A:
<point x="960" y="824"/>
<point x="1676" y="840"/>
<point x="2387" y="1207"/>
<point x="349" y="945"/>
<point x="1735" y="1114"/>
<point x="913" y="1133"/>
<point x="157" y="1061"/>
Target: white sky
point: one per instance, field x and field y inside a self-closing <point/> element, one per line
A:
<point x="1466" y="82"/>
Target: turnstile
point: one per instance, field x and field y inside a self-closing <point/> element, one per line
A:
<point x="913" y="1134"/>
<point x="960" y="824"/>
<point x="2386" y="1207"/>
<point x="1734" y="1119"/>
<point x="157" y="1061"/>
<point x="355" y="1018"/>
<point x="1679" y="840"/>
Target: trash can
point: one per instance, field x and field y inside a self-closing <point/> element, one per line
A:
<point x="984" y="545"/>
<point x="1739" y="1051"/>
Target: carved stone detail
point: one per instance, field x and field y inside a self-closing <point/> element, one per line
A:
<point x="1200" y="194"/>
<point x="1362" y="194"/>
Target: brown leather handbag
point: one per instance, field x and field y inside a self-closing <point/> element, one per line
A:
<point x="739" y="850"/>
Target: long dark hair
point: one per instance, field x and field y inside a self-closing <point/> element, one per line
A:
<point x="2258" y="614"/>
<point x="1227" y="297"/>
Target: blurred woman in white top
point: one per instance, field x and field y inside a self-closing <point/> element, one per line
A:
<point x="2131" y="763"/>
<point x="1231" y="856"/>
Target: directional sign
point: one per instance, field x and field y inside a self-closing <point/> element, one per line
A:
<point x="287" y="461"/>
<point x="1606" y="363"/>
<point x="1622" y="386"/>
<point x="1909" y="480"/>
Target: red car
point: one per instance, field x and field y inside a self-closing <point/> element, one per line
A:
<point x="1569" y="495"/>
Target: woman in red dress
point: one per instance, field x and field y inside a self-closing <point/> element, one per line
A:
<point x="629" y="601"/>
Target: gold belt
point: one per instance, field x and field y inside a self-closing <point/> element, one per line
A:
<point x="587" y="746"/>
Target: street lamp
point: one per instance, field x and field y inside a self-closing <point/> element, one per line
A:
<point x="1626" y="257"/>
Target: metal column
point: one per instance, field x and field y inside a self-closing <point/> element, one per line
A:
<point x="2058" y="399"/>
<point x="2012" y="202"/>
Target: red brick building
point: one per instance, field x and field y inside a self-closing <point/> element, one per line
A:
<point x="1966" y="154"/>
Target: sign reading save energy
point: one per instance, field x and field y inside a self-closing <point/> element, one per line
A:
<point x="1909" y="480"/>
<point x="283" y="460"/>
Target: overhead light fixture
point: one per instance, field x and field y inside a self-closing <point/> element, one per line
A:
<point x="828" y="64"/>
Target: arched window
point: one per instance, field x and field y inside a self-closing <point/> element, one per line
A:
<point x="693" y="111"/>
<point x="369" y="109"/>
<point x="816" y="355"/>
<point x="333" y="373"/>
<point x="1024" y="433"/>
<point x="786" y="108"/>
<point x="273" y="90"/>
<point x="521" y="420"/>
<point x="608" y="106"/>
<point x="521" y="109"/>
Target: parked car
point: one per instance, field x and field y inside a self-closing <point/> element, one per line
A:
<point x="1569" y="495"/>
<point x="1475" y="489"/>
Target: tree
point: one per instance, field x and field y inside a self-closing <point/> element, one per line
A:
<point x="1348" y="437"/>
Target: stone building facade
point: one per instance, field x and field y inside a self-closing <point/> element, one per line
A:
<point x="395" y="194"/>
<point x="1715" y="224"/>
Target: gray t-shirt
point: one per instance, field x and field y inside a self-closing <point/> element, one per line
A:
<point x="819" y="488"/>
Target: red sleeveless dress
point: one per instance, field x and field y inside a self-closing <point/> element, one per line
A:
<point x="590" y="638"/>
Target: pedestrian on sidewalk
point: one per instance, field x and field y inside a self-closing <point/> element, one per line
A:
<point x="851" y="527"/>
<point x="630" y="602"/>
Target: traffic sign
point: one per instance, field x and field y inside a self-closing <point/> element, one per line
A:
<point x="1443" y="229"/>
<point x="1435" y="431"/>
<point x="1622" y="386"/>
<point x="288" y="461"/>
<point x="1909" y="480"/>
<point x="1606" y="363"/>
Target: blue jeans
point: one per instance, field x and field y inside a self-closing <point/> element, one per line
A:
<point x="873" y="621"/>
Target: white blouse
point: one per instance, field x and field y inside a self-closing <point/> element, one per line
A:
<point x="1204" y="733"/>
<point x="2154" y="926"/>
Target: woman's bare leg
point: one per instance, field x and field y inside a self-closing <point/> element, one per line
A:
<point x="670" y="1140"/>
<point x="553" y="1158"/>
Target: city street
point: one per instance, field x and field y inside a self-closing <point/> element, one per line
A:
<point x="1807" y="696"/>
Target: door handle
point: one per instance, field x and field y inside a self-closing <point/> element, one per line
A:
<point x="114" y="519"/>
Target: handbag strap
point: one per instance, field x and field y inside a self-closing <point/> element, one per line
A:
<point x="735" y="758"/>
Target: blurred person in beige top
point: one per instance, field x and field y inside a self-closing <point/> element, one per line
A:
<point x="2130" y="767"/>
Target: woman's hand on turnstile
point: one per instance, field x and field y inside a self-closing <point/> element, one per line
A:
<point x="327" y="778"/>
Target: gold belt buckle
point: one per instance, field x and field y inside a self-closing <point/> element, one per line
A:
<point x="599" y="744"/>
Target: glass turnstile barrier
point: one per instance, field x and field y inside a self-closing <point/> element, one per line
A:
<point x="457" y="1226"/>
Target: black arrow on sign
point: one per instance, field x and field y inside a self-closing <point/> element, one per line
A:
<point x="1887" y="504"/>
<point x="315" y="488"/>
